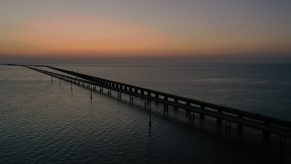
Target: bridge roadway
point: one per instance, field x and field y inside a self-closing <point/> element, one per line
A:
<point x="267" y="125"/>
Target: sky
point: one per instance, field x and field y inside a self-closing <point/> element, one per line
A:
<point x="100" y="28"/>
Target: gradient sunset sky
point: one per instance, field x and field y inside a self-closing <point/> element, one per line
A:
<point x="144" y="27"/>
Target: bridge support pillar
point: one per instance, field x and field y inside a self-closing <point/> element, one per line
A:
<point x="91" y="94"/>
<point x="131" y="99"/>
<point x="142" y="92"/>
<point x="101" y="89"/>
<point x="175" y="107"/>
<point x="202" y="108"/>
<point x="166" y="107"/>
<point x="148" y="106"/>
<point x="166" y="110"/>
<point x="156" y="97"/>
<point x="192" y="118"/>
<point x="218" y="120"/>
<point x="119" y="96"/>
<point x="227" y="126"/>
<point x="187" y="112"/>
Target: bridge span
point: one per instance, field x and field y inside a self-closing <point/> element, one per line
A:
<point x="193" y="108"/>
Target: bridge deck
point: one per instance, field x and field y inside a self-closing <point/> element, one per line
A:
<point x="241" y="118"/>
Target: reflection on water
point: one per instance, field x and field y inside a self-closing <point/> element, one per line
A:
<point x="42" y="122"/>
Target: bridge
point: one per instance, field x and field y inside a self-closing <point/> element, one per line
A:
<point x="193" y="108"/>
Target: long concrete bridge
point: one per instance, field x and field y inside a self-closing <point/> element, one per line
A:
<point x="193" y="108"/>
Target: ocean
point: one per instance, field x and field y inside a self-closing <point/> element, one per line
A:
<point x="47" y="122"/>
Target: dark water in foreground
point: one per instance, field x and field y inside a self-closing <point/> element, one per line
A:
<point x="44" y="122"/>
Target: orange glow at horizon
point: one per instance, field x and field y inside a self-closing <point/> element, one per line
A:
<point x="90" y="35"/>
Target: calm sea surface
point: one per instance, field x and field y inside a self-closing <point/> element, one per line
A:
<point x="44" y="122"/>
